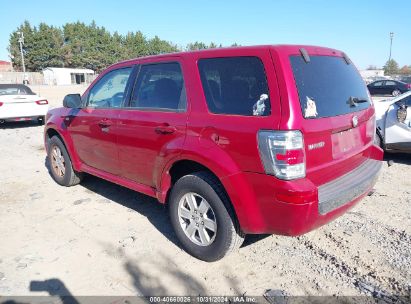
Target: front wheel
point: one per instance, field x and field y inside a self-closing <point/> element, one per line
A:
<point x="203" y="218"/>
<point x="61" y="168"/>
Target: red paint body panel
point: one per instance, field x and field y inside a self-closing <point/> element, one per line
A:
<point x="134" y="155"/>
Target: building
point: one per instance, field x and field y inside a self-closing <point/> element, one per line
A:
<point x="5" y="66"/>
<point x="67" y="76"/>
<point x="372" y="75"/>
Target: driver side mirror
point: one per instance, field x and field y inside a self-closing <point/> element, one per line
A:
<point x="72" y="101"/>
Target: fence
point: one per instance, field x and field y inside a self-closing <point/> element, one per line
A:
<point x="18" y="77"/>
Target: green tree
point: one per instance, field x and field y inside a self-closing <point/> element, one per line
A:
<point x="14" y="47"/>
<point x="79" y="45"/>
<point x="46" y="48"/>
<point x="135" y="45"/>
<point x="157" y="46"/>
<point x="42" y="47"/>
<point x="196" y="46"/>
<point x="391" y="67"/>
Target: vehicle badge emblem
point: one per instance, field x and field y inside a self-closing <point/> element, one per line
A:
<point x="355" y="121"/>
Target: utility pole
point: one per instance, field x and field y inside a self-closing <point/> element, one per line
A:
<point x="391" y="37"/>
<point x="21" y="42"/>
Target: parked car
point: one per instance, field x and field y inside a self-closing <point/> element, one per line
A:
<point x="388" y="87"/>
<point x="245" y="140"/>
<point x="406" y="79"/>
<point x="19" y="103"/>
<point x="394" y="123"/>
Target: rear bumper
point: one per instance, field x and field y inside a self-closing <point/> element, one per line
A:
<point x="22" y="118"/>
<point x="348" y="187"/>
<point x="265" y="204"/>
<point x="11" y="113"/>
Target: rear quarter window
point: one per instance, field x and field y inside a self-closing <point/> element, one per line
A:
<point x="325" y="86"/>
<point x="235" y="85"/>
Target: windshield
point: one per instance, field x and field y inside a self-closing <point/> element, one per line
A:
<point x="328" y="86"/>
<point x="15" y="89"/>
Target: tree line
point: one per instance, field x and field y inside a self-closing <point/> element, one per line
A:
<point x="391" y="67"/>
<point x="79" y="45"/>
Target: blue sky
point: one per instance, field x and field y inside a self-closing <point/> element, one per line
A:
<point x="360" y="28"/>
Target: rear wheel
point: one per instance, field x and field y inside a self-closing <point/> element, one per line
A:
<point x="396" y="92"/>
<point x="61" y="168"/>
<point x="202" y="217"/>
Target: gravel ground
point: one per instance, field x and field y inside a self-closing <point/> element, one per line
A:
<point x="98" y="238"/>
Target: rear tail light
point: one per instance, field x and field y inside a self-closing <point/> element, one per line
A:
<point x="42" y="102"/>
<point x="371" y="128"/>
<point x="408" y="85"/>
<point x="1" y="104"/>
<point x="282" y="153"/>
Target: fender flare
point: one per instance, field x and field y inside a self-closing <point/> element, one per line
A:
<point x="68" y="144"/>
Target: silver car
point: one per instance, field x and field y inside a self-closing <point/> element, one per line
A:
<point x="394" y="123"/>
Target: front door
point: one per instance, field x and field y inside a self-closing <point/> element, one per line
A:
<point x="93" y="127"/>
<point x="151" y="128"/>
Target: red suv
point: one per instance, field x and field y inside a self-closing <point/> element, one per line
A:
<point x="245" y="140"/>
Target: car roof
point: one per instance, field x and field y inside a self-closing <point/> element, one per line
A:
<point x="14" y="86"/>
<point x="224" y="51"/>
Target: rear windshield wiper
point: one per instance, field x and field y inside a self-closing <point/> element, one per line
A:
<point x="353" y="101"/>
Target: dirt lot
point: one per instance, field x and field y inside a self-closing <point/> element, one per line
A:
<point x="101" y="239"/>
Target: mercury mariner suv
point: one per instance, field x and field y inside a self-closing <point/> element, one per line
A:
<point x="236" y="141"/>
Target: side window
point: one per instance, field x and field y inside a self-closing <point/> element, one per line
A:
<point x="390" y="83"/>
<point x="377" y="84"/>
<point x="235" y="85"/>
<point x="160" y="86"/>
<point x="108" y="92"/>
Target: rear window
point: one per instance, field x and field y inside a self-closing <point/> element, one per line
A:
<point x="328" y="86"/>
<point x="235" y="85"/>
<point x="15" y="90"/>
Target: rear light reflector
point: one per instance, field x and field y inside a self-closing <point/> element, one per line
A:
<point x="42" y="102"/>
<point x="282" y="153"/>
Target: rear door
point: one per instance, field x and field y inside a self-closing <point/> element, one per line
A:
<point x="334" y="112"/>
<point x="151" y="127"/>
<point x="93" y="127"/>
<point x="377" y="88"/>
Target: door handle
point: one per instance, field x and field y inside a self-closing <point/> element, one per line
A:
<point x="165" y="129"/>
<point x="105" y="123"/>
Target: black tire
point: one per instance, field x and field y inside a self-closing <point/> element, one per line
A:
<point x="378" y="141"/>
<point x="69" y="177"/>
<point x="228" y="236"/>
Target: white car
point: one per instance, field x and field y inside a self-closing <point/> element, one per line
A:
<point x="394" y="123"/>
<point x="19" y="103"/>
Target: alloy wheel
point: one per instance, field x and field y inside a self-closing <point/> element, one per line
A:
<point x="197" y="219"/>
<point x="58" y="163"/>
